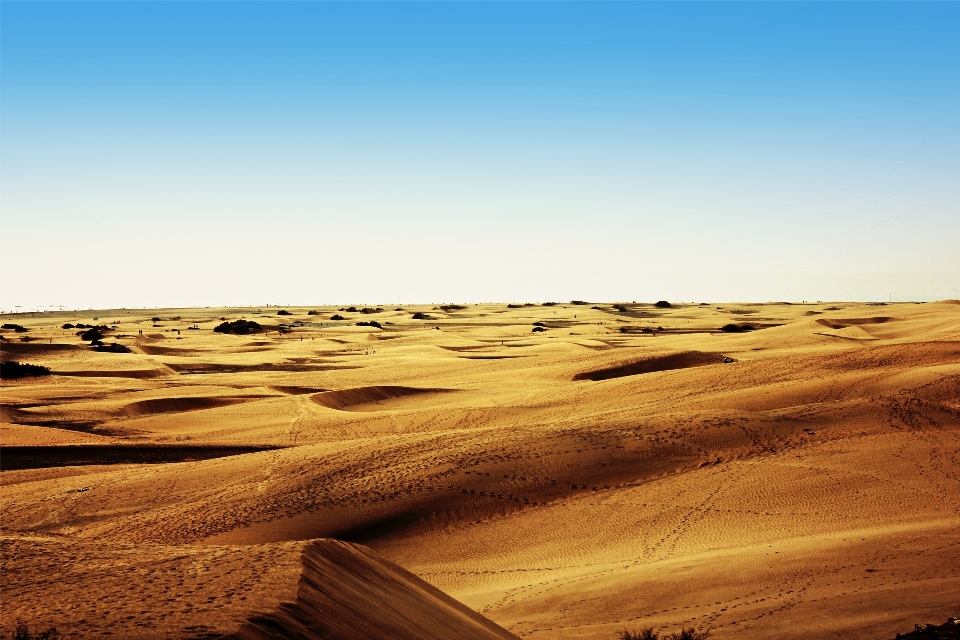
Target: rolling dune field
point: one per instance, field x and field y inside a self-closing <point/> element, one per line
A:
<point x="556" y="471"/>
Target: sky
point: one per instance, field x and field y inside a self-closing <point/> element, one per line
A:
<point x="157" y="154"/>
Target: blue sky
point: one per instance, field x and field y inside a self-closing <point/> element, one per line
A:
<point x="305" y="153"/>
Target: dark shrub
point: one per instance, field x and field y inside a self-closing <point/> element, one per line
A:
<point x="13" y="369"/>
<point x="620" y="307"/>
<point x="452" y="307"/>
<point x="67" y="326"/>
<point x="369" y="310"/>
<point x="239" y="327"/>
<point x="351" y="309"/>
<point x="372" y="323"/>
<point x="663" y="304"/>
<point x="737" y="328"/>
<point x="15" y="327"/>
<point x="514" y="306"/>
<point x="94" y="333"/>
<point x="22" y="632"/>
<point x="284" y="312"/>
<point x="337" y="316"/>
<point x="650" y="634"/>
<point x="538" y="329"/>
<point x="549" y="304"/>
<point x="110" y="348"/>
<point x="578" y="302"/>
<point x="949" y="630"/>
<point x="151" y="320"/>
<point x="313" y="313"/>
<point x="539" y="324"/>
<point x="420" y="316"/>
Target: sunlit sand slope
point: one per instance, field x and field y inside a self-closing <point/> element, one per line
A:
<point x="326" y="590"/>
<point x="566" y="471"/>
<point x="348" y="593"/>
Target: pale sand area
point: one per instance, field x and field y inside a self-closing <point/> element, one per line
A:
<point x="811" y="486"/>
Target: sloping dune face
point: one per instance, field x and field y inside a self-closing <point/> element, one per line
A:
<point x="683" y="360"/>
<point x="360" y="397"/>
<point x="800" y="480"/>
<point x="346" y="592"/>
<point x="323" y="590"/>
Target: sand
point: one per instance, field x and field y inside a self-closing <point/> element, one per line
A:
<point x="619" y="469"/>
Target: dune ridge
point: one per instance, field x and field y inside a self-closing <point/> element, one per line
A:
<point x="346" y="592"/>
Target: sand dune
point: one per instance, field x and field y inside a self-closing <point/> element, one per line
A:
<point x="794" y="481"/>
<point x="348" y="593"/>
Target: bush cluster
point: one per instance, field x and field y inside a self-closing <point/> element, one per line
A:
<point x="22" y="632"/>
<point x="110" y="348"/>
<point x="94" y="334"/>
<point x="239" y="327"/>
<point x="13" y="369"/>
<point x="650" y="634"/>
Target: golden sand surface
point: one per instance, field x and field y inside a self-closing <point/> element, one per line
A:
<point x="612" y="467"/>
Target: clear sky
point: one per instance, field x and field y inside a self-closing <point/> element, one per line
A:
<point x="187" y="153"/>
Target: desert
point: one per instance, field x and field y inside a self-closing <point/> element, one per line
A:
<point x="568" y="470"/>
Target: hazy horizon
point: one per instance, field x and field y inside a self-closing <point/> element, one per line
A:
<point x="209" y="154"/>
